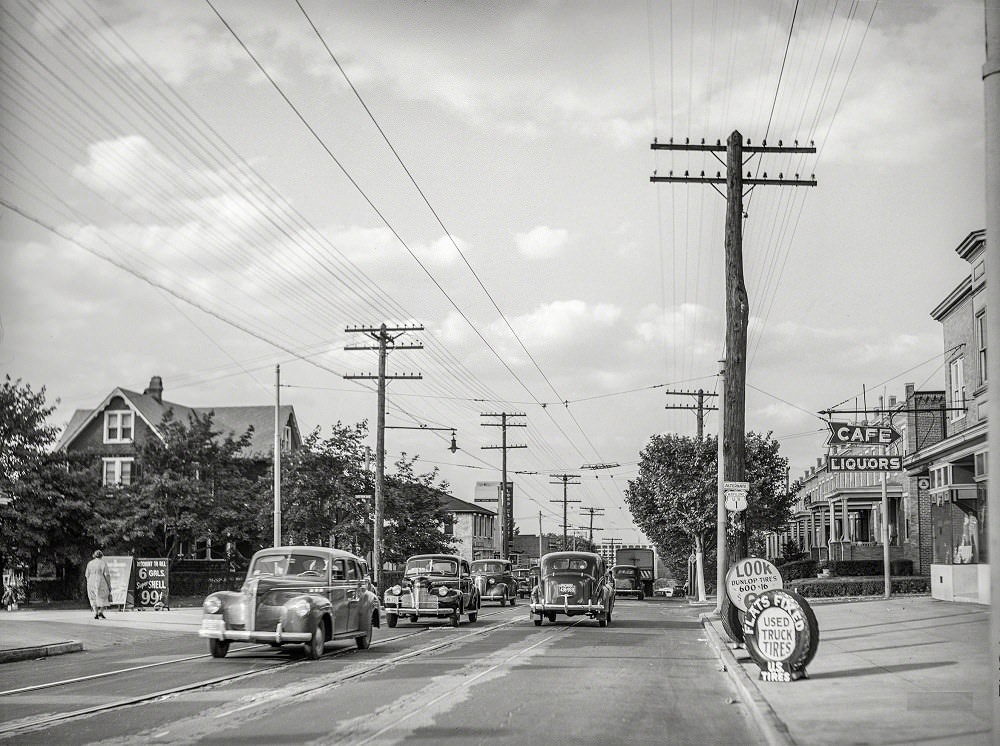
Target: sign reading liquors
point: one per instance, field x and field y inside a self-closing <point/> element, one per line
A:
<point x="152" y="583"/>
<point x="781" y="634"/>
<point x="750" y="577"/>
<point x="866" y="463"/>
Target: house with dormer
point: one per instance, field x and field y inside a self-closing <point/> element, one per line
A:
<point x="125" y="420"/>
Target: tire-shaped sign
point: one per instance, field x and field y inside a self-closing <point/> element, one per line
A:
<point x="732" y="620"/>
<point x="781" y="634"/>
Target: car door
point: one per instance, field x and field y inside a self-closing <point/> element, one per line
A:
<point x="465" y="582"/>
<point x="354" y="592"/>
<point x="338" y="595"/>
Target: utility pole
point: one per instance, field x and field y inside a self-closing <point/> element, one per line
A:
<point x="506" y="507"/>
<point x="565" y="499"/>
<point x="699" y="409"/>
<point x="991" y="95"/>
<point x="592" y="512"/>
<point x="386" y="337"/>
<point x="737" y="302"/>
<point x="277" y="455"/>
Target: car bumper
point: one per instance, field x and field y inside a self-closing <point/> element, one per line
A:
<point x="625" y="592"/>
<point x="215" y="629"/>
<point x="550" y="607"/>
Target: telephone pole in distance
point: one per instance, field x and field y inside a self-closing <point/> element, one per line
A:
<point x="385" y="337"/>
<point x="699" y="409"/>
<point x="506" y="507"/>
<point x="564" y="480"/>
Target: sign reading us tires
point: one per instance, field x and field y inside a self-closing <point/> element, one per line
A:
<point x="781" y="634"/>
<point x="750" y="577"/>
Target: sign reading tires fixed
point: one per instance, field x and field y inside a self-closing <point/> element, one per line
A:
<point x="781" y="635"/>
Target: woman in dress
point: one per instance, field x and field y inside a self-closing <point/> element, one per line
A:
<point x="98" y="584"/>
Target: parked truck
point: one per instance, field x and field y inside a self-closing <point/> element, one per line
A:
<point x="644" y="560"/>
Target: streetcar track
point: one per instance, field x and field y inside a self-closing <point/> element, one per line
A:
<point x="42" y="722"/>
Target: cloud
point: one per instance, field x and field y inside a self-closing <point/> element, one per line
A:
<point x="541" y="242"/>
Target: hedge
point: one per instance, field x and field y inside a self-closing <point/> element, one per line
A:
<point x="858" y="586"/>
<point x="867" y="568"/>
<point x="806" y="568"/>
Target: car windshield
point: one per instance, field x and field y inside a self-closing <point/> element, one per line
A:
<point x="486" y="566"/>
<point x="577" y="564"/>
<point x="288" y="565"/>
<point x="431" y="566"/>
<point x="624" y="572"/>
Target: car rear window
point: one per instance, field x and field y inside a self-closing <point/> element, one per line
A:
<point x="487" y="567"/>
<point x="570" y="563"/>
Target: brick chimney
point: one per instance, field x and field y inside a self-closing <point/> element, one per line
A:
<point x="155" y="388"/>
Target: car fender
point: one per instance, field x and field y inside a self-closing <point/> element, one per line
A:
<point x="320" y="610"/>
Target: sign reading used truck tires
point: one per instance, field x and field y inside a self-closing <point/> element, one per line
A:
<point x="781" y="634"/>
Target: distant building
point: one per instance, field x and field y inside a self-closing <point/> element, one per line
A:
<point x="525" y="551"/>
<point x="473" y="527"/>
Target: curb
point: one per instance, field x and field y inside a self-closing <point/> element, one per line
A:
<point x="772" y="727"/>
<point x="39" y="651"/>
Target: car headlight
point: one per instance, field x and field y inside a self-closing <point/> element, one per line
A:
<point x="299" y="607"/>
<point x="491" y="581"/>
<point x="443" y="591"/>
<point x="396" y="590"/>
<point x="212" y="605"/>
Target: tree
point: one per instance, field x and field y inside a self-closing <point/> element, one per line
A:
<point x="414" y="513"/>
<point x="24" y="439"/>
<point x="320" y="483"/>
<point x="675" y="496"/>
<point x="24" y="434"/>
<point x="192" y="485"/>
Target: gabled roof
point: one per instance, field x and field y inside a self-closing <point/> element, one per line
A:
<point x="453" y="505"/>
<point x="227" y="420"/>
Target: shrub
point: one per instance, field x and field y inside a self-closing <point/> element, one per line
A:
<point x="799" y="569"/>
<point x="868" y="568"/>
<point x="858" y="586"/>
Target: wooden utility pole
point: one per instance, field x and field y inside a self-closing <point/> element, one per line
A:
<point x="506" y="507"/>
<point x="386" y="337"/>
<point x="592" y="512"/>
<point x="277" y="455"/>
<point x="565" y="499"/>
<point x="699" y="409"/>
<point x="737" y="302"/>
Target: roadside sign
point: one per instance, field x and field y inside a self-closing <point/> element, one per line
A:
<point x="120" y="570"/>
<point x="741" y="486"/>
<point x="781" y="634"/>
<point x="750" y="577"/>
<point x="152" y="583"/>
<point x="865" y="463"/>
<point x="735" y="494"/>
<point x="846" y="434"/>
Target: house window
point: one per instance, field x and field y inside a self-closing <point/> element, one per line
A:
<point x="981" y="344"/>
<point x="118" y="426"/>
<point x="449" y="525"/>
<point x="956" y="390"/>
<point x="118" y="472"/>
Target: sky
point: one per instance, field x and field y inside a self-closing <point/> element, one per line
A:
<point x="205" y="190"/>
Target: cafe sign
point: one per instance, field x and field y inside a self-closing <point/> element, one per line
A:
<point x="846" y="434"/>
<point x="781" y="634"/>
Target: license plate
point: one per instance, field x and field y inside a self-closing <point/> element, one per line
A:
<point x="567" y="589"/>
<point x="213" y="625"/>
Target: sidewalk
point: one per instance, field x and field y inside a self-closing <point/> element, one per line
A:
<point x="30" y="633"/>
<point x="905" y="670"/>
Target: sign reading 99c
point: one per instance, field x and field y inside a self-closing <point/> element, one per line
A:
<point x="152" y="583"/>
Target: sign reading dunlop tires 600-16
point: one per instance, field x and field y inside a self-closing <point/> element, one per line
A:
<point x="781" y="634"/>
<point x="750" y="577"/>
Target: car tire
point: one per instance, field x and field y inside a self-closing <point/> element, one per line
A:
<point x="314" y="648"/>
<point x="513" y="600"/>
<point x="602" y="621"/>
<point x="218" y="648"/>
<point x="552" y="616"/>
<point x="414" y="618"/>
<point x="391" y="619"/>
<point x="364" y="641"/>
<point x="473" y="615"/>
<point x="455" y="620"/>
<point x="538" y="621"/>
<point x="503" y="601"/>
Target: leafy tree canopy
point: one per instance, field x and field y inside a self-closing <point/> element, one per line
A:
<point x="414" y="514"/>
<point x="24" y="433"/>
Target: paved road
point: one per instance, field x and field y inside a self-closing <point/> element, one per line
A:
<point x="648" y="678"/>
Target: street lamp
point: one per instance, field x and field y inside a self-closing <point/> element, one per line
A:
<point x="453" y="447"/>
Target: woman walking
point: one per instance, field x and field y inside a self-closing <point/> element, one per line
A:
<point x="98" y="584"/>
